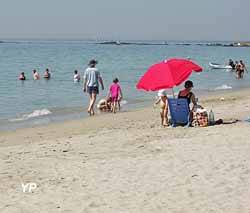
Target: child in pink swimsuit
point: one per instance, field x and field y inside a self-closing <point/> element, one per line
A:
<point x="116" y="94"/>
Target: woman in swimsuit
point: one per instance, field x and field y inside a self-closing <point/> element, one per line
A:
<point x="187" y="94"/>
<point x="241" y="69"/>
<point x="237" y="69"/>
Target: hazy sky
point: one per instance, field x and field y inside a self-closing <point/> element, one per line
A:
<point x="127" y="19"/>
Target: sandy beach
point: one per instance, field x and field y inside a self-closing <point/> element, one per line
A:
<point x="128" y="163"/>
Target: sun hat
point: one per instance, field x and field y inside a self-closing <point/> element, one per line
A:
<point x="162" y="92"/>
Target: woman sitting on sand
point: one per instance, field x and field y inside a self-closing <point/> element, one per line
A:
<point x="163" y="100"/>
<point x="187" y="94"/>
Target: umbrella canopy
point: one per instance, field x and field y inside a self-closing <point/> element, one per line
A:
<point x="167" y="74"/>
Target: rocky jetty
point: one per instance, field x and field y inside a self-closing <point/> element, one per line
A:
<point x="131" y="43"/>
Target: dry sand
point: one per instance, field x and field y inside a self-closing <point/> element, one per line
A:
<point x="128" y="163"/>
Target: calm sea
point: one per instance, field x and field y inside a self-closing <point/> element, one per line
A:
<point x="40" y="102"/>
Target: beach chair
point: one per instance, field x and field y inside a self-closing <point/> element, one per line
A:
<point x="179" y="111"/>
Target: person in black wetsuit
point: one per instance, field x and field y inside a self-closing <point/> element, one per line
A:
<point x="231" y="63"/>
<point x="187" y="94"/>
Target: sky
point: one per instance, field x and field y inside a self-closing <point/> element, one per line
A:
<point x="126" y="20"/>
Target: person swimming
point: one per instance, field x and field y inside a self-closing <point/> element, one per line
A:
<point x="46" y="74"/>
<point x="77" y="77"/>
<point x="22" y="76"/>
<point x="35" y="75"/>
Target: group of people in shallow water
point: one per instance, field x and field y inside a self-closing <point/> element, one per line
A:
<point x="46" y="75"/>
<point x="239" y="68"/>
<point x="91" y="80"/>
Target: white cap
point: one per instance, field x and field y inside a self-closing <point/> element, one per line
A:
<point x="162" y="92"/>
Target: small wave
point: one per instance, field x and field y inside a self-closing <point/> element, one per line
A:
<point x="223" y="87"/>
<point x="123" y="102"/>
<point x="34" y="114"/>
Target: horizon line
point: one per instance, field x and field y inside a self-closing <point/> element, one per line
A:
<point x="109" y="39"/>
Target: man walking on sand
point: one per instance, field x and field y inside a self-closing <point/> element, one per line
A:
<point x="91" y="79"/>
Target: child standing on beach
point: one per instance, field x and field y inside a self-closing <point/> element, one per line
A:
<point x="116" y="94"/>
<point x="163" y="100"/>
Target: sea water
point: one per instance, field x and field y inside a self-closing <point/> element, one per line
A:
<point x="28" y="103"/>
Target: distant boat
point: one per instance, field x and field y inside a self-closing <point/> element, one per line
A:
<point x="219" y="66"/>
<point x="118" y="43"/>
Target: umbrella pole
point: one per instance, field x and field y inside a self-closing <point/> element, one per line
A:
<point x="173" y="92"/>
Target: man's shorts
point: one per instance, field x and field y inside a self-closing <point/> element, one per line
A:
<point x="93" y="89"/>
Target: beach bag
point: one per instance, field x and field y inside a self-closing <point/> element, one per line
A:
<point x="200" y="119"/>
